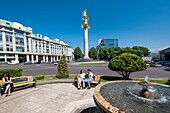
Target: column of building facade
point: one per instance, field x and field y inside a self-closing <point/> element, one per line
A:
<point x="16" y="57"/>
<point x="4" y="41"/>
<point x="25" y="43"/>
<point x="29" y="44"/>
<point x="47" y="58"/>
<point x="43" y="58"/>
<point x="5" y="58"/>
<point x="45" y="51"/>
<point x="32" y="58"/>
<point x="54" y="58"/>
<point x="36" y="58"/>
<point x="13" y="41"/>
<point x="4" y="44"/>
<point x="28" y="58"/>
<point x="38" y="46"/>
<point x="57" y="58"/>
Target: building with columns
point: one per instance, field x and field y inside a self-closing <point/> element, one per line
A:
<point x="18" y="43"/>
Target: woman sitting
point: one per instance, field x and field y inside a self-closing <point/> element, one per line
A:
<point x="8" y="84"/>
<point x="81" y="79"/>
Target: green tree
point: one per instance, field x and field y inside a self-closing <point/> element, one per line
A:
<point x="103" y="54"/>
<point x="126" y="63"/>
<point x="141" y="51"/>
<point x="62" y="68"/>
<point x="78" y="53"/>
<point x="93" y="53"/>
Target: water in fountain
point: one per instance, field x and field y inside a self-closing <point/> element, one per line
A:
<point x="130" y="100"/>
<point x="156" y="95"/>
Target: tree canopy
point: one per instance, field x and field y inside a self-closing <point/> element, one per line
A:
<point x="78" y="53"/>
<point x="108" y="54"/>
<point x="93" y="53"/>
<point x="126" y="63"/>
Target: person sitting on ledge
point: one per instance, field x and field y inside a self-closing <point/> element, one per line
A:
<point x="8" y="84"/>
<point x="81" y="79"/>
<point x="90" y="78"/>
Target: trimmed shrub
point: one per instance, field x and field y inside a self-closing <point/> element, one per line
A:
<point x="14" y="72"/>
<point x="39" y="77"/>
<point x="127" y="63"/>
<point x="62" y="68"/>
<point x="168" y="82"/>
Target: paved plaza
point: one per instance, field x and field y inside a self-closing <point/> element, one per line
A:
<point x="48" y="98"/>
<point x="50" y="69"/>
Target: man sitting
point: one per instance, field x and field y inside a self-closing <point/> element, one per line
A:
<point x="90" y="78"/>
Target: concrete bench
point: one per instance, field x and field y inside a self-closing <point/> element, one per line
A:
<point x="19" y="82"/>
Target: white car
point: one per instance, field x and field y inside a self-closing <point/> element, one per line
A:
<point x="13" y="62"/>
<point x="55" y="63"/>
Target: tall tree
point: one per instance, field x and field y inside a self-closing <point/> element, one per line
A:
<point x="126" y="63"/>
<point x="62" y="68"/>
<point x="142" y="50"/>
<point x="103" y="54"/>
<point x="78" y="53"/>
<point x="93" y="53"/>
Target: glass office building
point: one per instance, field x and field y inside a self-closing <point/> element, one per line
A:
<point x="107" y="43"/>
<point x="18" y="43"/>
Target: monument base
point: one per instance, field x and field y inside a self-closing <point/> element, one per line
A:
<point x="85" y="60"/>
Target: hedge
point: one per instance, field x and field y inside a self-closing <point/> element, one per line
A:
<point x="14" y="72"/>
<point x="39" y="77"/>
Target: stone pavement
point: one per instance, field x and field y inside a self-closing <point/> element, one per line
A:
<point x="48" y="98"/>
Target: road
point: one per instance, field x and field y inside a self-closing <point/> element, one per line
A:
<point x="50" y="69"/>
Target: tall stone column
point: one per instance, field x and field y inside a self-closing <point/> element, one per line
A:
<point x="85" y="26"/>
<point x="86" y="54"/>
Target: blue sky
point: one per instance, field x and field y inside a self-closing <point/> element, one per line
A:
<point x="132" y="22"/>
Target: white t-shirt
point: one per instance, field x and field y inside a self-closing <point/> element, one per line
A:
<point x="82" y="75"/>
<point x="90" y="75"/>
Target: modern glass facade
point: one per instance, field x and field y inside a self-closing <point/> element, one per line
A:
<point x="107" y="43"/>
<point x="17" y="42"/>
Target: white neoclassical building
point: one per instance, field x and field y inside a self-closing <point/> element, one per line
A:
<point x="18" y="43"/>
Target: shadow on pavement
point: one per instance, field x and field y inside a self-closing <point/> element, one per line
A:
<point x="112" y="78"/>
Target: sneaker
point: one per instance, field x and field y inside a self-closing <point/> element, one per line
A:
<point x="89" y="88"/>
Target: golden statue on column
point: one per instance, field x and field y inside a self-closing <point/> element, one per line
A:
<point x="85" y="18"/>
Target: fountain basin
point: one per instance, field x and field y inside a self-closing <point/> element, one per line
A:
<point x="113" y="97"/>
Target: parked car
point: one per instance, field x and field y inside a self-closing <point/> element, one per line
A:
<point x="155" y="64"/>
<point x="147" y="64"/>
<point x="167" y="63"/>
<point x="13" y="62"/>
<point x="28" y="63"/>
<point x="55" y="63"/>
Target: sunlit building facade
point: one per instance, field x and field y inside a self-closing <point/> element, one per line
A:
<point x="18" y="43"/>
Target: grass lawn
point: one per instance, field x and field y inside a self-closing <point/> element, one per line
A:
<point x="95" y="64"/>
<point x="53" y="77"/>
<point x="103" y="79"/>
<point x="153" y="81"/>
<point x="111" y="78"/>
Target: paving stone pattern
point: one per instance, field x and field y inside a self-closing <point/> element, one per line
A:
<point x="48" y="98"/>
